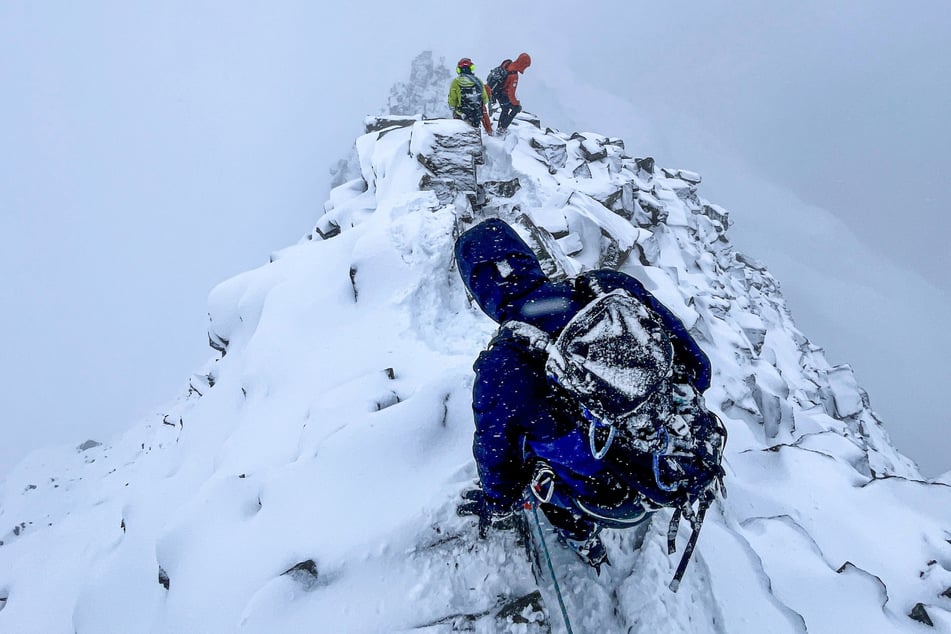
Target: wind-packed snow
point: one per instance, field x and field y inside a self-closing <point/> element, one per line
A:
<point x="308" y="479"/>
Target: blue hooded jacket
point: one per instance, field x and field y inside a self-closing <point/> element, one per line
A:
<point x="516" y="413"/>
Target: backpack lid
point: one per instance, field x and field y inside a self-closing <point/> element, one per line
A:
<point x="612" y="355"/>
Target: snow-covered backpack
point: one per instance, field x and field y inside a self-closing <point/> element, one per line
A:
<point x="614" y="364"/>
<point x="471" y="95"/>
<point x="496" y="79"/>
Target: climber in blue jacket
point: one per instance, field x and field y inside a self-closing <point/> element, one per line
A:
<point x="524" y="434"/>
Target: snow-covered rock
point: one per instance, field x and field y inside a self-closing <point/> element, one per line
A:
<point x="307" y="480"/>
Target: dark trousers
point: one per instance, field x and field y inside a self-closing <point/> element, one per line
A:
<point x="572" y="525"/>
<point x="507" y="113"/>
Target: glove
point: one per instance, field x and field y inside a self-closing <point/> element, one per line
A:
<point x="683" y="395"/>
<point x="491" y="514"/>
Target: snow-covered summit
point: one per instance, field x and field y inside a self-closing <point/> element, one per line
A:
<point x="308" y="478"/>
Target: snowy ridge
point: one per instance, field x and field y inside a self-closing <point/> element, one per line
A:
<point x="308" y="478"/>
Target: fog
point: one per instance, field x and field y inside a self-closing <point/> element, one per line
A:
<point x="149" y="151"/>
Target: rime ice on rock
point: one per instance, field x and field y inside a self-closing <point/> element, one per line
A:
<point x="449" y="150"/>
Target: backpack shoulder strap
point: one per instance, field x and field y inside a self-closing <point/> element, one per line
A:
<point x="588" y="286"/>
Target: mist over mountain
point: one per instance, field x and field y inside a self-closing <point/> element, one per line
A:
<point x="151" y="151"/>
<point x="307" y="476"/>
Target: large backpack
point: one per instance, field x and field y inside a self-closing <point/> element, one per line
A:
<point x="471" y="96"/>
<point x="495" y="81"/>
<point x="614" y="364"/>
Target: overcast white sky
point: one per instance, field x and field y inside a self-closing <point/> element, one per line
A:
<point x="151" y="150"/>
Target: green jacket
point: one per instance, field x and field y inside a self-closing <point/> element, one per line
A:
<point x="465" y="80"/>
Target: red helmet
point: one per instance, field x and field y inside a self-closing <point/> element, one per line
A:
<point x="465" y="62"/>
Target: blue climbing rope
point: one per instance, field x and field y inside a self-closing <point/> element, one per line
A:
<point x="551" y="569"/>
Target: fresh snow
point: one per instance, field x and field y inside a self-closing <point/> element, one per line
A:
<point x="308" y="479"/>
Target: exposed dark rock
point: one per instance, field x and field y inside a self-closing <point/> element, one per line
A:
<point x="382" y="122"/>
<point x="692" y="178"/>
<point x="529" y="118"/>
<point x="717" y="214"/>
<point x="304" y="573"/>
<point x="757" y="337"/>
<point x="612" y="255"/>
<point x="516" y="609"/>
<point x="387" y="400"/>
<point x="502" y="189"/>
<point x="327" y="227"/>
<point x="919" y="614"/>
<point x="653" y="208"/>
<point x="353" y="283"/>
<point x="752" y="263"/>
<point x="553" y="150"/>
<point x="646" y="164"/>
<point x="3" y="602"/>
<point x="476" y="198"/>
<point x="218" y="343"/>
<point x="582" y="171"/>
<point x="454" y="156"/>
<point x="166" y="421"/>
<point x="544" y="246"/>
<point x="947" y="593"/>
<point x="163" y="578"/>
<point x="611" y="199"/>
<point x="445" y="188"/>
<point x="193" y="390"/>
<point x="627" y="201"/>
<point x="89" y="444"/>
<point x="593" y="151"/>
<point x="456" y="622"/>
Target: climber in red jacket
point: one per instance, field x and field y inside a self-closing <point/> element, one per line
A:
<point x="505" y="94"/>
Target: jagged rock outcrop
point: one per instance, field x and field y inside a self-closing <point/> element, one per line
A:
<point x="425" y="93"/>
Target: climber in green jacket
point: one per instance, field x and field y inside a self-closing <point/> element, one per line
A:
<point x="468" y="97"/>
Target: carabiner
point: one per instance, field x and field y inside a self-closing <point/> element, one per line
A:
<point x="592" y="442"/>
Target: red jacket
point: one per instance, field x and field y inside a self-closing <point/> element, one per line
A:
<point x="521" y="62"/>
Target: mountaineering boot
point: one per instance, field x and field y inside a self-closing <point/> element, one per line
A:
<point x="591" y="551"/>
<point x="490" y="515"/>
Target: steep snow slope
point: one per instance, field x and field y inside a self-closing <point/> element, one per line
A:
<point x="308" y="479"/>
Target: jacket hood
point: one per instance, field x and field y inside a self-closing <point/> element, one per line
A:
<point x="504" y="277"/>
<point x="521" y="62"/>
